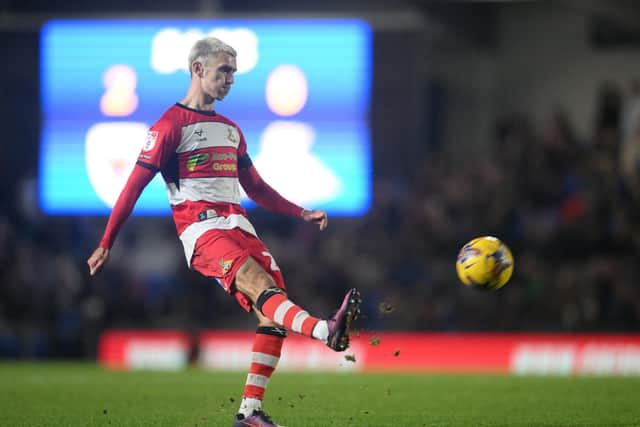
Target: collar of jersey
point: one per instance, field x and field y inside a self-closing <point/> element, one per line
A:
<point x="206" y="113"/>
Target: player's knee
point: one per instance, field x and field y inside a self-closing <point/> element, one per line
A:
<point x="252" y="279"/>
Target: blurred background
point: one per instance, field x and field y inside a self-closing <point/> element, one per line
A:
<point x="519" y="119"/>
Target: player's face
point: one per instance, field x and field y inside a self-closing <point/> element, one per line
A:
<point x="218" y="76"/>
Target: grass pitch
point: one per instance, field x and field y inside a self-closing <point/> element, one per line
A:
<point x="85" y="395"/>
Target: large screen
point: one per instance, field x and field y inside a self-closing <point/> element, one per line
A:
<point x="301" y="96"/>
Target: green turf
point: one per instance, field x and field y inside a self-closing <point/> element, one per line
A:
<point x="85" y="395"/>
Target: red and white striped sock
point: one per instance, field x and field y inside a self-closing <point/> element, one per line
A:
<point x="267" y="346"/>
<point x="278" y="308"/>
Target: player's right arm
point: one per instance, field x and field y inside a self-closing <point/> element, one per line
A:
<point x="159" y="146"/>
<point x="139" y="178"/>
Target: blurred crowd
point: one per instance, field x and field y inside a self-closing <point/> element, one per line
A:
<point x="567" y="207"/>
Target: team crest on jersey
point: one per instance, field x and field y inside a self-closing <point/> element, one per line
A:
<point x="196" y="160"/>
<point x="150" y="140"/>
<point x="232" y="137"/>
<point x="225" y="265"/>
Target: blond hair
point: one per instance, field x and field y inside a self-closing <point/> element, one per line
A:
<point x="208" y="47"/>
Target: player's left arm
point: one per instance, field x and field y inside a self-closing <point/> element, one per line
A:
<point x="264" y="195"/>
<point x="317" y="216"/>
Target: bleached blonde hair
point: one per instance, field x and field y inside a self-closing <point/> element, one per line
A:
<point x="207" y="47"/>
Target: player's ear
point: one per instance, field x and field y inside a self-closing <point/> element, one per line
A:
<point x="197" y="68"/>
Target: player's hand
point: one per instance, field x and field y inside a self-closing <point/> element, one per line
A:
<point x="317" y="216"/>
<point x="97" y="260"/>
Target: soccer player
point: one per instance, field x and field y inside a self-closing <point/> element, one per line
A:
<point x="203" y="159"/>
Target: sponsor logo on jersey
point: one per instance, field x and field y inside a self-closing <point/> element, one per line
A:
<point x="227" y="167"/>
<point x="196" y="160"/>
<point x="225" y="265"/>
<point x="201" y="136"/>
<point x="224" y="156"/>
<point x="150" y="140"/>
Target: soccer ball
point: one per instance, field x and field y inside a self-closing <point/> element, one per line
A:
<point x="485" y="263"/>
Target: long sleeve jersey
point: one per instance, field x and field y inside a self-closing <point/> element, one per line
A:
<point x="203" y="159"/>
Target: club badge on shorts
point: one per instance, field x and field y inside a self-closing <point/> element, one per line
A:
<point x="225" y="265"/>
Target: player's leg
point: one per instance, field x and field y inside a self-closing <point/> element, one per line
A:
<point x="267" y="347"/>
<point x="230" y="257"/>
<point x="270" y="300"/>
<point x="219" y="254"/>
<point x="243" y="266"/>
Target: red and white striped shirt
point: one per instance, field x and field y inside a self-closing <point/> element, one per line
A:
<point x="203" y="159"/>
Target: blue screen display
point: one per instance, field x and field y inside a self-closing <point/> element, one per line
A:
<point x="302" y="88"/>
